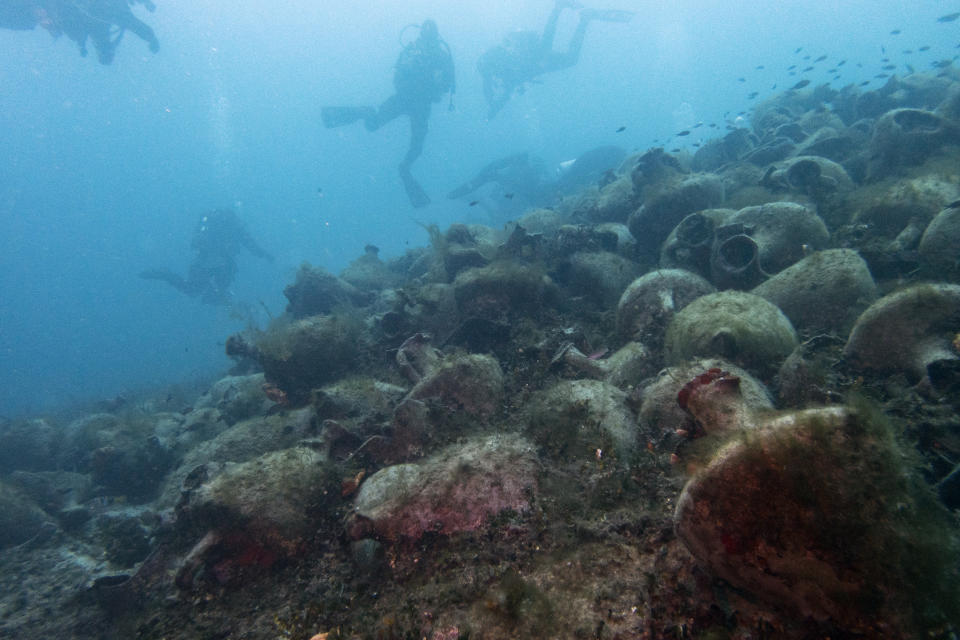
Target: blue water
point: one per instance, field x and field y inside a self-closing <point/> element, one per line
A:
<point x="105" y="170"/>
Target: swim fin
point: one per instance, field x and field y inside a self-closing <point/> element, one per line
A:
<point x="415" y="193"/>
<point x="609" y="15"/>
<point x="340" y="116"/>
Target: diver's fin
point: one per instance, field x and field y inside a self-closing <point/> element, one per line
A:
<point x="609" y="15"/>
<point x="415" y="193"/>
<point x="340" y="116"/>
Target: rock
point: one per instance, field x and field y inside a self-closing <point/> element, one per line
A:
<point x="575" y="418"/>
<point x="939" y="245"/>
<point x="907" y="331"/>
<point x="459" y="489"/>
<point x="740" y="327"/>
<point x="20" y="519"/>
<point x="124" y="457"/>
<point x="648" y="305"/>
<point x="124" y="535"/>
<point x="31" y="445"/>
<point x="302" y="355"/>
<point x="823" y="293"/>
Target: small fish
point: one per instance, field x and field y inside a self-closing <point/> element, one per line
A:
<point x="676" y="150"/>
<point x="752" y="95"/>
<point x="698" y="125"/>
<point x="791" y="67"/>
<point x="895" y="32"/>
<point x="685" y="132"/>
<point x="474" y="203"/>
<point x="621" y="129"/>
<point x="798" y="50"/>
<point x="759" y="66"/>
<point x="910" y="68"/>
<point x="954" y="205"/>
<point x="773" y="86"/>
<point x="807" y="69"/>
<point x="821" y="58"/>
<point x="889" y="67"/>
<point x="883" y="49"/>
<point x="508" y="196"/>
<point x="741" y="79"/>
<point x="908" y="51"/>
<point x="881" y="75"/>
<point x="806" y="57"/>
<point x="950" y="17"/>
<point x="800" y="85"/>
<point x="923" y="48"/>
<point x="713" y="125"/>
<point x="696" y="144"/>
<point x="864" y="83"/>
<point x="841" y="63"/>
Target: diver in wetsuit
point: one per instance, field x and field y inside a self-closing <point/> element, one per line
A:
<point x="218" y="239"/>
<point x="524" y="176"/>
<point x="424" y="73"/>
<point x="524" y="55"/>
<point x="102" y="21"/>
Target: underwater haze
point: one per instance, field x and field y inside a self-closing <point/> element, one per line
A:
<point x="107" y="169"/>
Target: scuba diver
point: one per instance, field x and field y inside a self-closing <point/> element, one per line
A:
<point x="423" y="74"/>
<point x="218" y="239"/>
<point x="520" y="175"/>
<point x="524" y="176"/>
<point x="524" y="55"/>
<point x="102" y="21"/>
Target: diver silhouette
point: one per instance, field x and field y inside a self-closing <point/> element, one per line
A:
<point x="423" y="74"/>
<point x="103" y="22"/>
<point x="524" y="55"/>
<point x="217" y="240"/>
